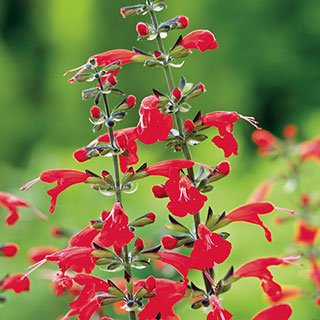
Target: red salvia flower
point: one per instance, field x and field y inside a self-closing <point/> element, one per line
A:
<point x="84" y="237"/>
<point x="64" y="179"/>
<point x="39" y="253"/>
<point x="11" y="203"/>
<point x="91" y="285"/>
<point x="250" y="213"/>
<point x="16" y="282"/>
<point x="62" y="282"/>
<point x="167" y="291"/>
<point x="224" y="121"/>
<point x="153" y="124"/>
<point x="115" y="230"/>
<point x="184" y="197"/>
<point x="259" y="268"/>
<point x="179" y="261"/>
<point x="265" y="141"/>
<point x="74" y="258"/>
<point x="106" y="58"/>
<point x="218" y="313"/>
<point x="305" y="234"/>
<point x="9" y="249"/>
<point x="310" y="149"/>
<point x="209" y="248"/>
<point x="199" y="39"/>
<point x="280" y="311"/>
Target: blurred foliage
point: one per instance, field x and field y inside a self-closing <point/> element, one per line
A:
<point x="265" y="66"/>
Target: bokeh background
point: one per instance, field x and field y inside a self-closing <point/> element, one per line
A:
<point x="267" y="65"/>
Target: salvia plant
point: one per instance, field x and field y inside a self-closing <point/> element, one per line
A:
<point x="292" y="158"/>
<point x="109" y="241"/>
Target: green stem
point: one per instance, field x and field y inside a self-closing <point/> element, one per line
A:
<point x="127" y="266"/>
<point x="179" y="122"/>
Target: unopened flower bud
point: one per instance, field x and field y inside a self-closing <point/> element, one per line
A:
<point x="142" y="29"/>
<point x="81" y="155"/>
<point x="157" y="54"/>
<point x="290" y="131"/>
<point x="176" y="94"/>
<point x="159" y="191"/>
<point x="183" y="22"/>
<point x="122" y="141"/>
<point x="169" y="242"/>
<point x="95" y="112"/>
<point x="139" y="244"/>
<point x="144" y="220"/>
<point x="9" y="249"/>
<point x="189" y="125"/>
<point x="131" y="101"/>
<point x="112" y="79"/>
<point x="56" y="231"/>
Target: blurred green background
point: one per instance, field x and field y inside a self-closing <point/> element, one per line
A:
<point x="267" y="66"/>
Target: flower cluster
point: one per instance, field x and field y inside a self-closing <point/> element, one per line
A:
<point x="110" y="241"/>
<point x="306" y="227"/>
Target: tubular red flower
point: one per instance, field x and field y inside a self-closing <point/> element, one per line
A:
<point x="106" y="58"/>
<point x="184" y="197"/>
<point x="153" y="124"/>
<point x="218" y="313"/>
<point x="39" y="253"/>
<point x="84" y="237"/>
<point x="265" y="141"/>
<point x="199" y="39"/>
<point x="305" y="234"/>
<point x="166" y="168"/>
<point x="11" y="203"/>
<point x="280" y="311"/>
<point x="166" y="290"/>
<point x="64" y="179"/>
<point x="310" y="149"/>
<point x="250" y="213"/>
<point x="129" y="136"/>
<point x="259" y="268"/>
<point x="209" y="248"/>
<point x="9" y="249"/>
<point x="224" y="121"/>
<point x="115" y="230"/>
<point x="16" y="282"/>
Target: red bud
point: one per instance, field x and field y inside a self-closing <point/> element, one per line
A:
<point x="152" y="216"/>
<point x="142" y="29"/>
<point x="131" y="101"/>
<point x="95" y="112"/>
<point x="290" y="131"/>
<point x="139" y="244"/>
<point x="159" y="191"/>
<point x="112" y="79"/>
<point x="9" y="249"/>
<point x="184" y="21"/>
<point x="176" y="93"/>
<point x="189" y="125"/>
<point x="80" y="155"/>
<point x="169" y="242"/>
<point x="223" y="167"/>
<point x="150" y="284"/>
<point x="201" y="86"/>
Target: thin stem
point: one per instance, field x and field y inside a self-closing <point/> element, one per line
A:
<point x="179" y="122"/>
<point x="127" y="267"/>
